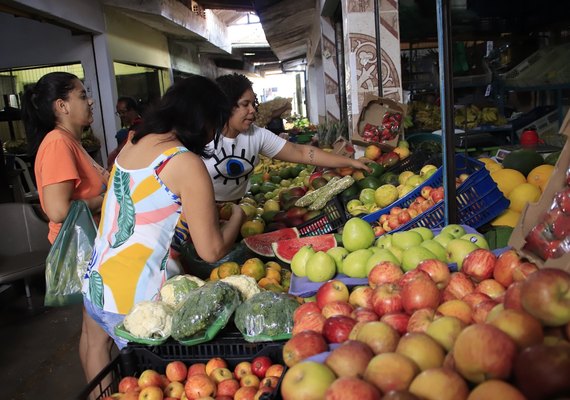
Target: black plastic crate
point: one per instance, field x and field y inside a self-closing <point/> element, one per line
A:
<point x="332" y="217"/>
<point x="414" y="162"/>
<point x="134" y="359"/>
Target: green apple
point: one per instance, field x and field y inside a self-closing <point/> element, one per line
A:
<point x="397" y="252"/>
<point x="338" y="254"/>
<point x="425" y="232"/>
<point x="443" y="238"/>
<point x="454" y="230"/>
<point x="320" y="267"/>
<point x="379" y="256"/>
<point x="384" y="241"/>
<point x="299" y="260"/>
<point x="367" y="196"/>
<point x="414" y="255"/>
<point x="458" y="249"/>
<point x="436" y="248"/>
<point x="407" y="239"/>
<point x="478" y="239"/>
<point x="307" y="380"/>
<point x="354" y="264"/>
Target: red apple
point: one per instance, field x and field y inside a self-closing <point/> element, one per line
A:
<point x="221" y="374"/>
<point x="149" y="377"/>
<point x="241" y="369"/>
<point x="306" y="380"/>
<point x="504" y="267"/>
<point x="337" y="328"/>
<point x="395" y="210"/>
<point x="420" y="293"/>
<point x="542" y="371"/>
<point x="275" y="370"/>
<point x="310" y="322"/>
<point x="337" y="308"/>
<point x="228" y="387"/>
<point x="151" y="393"/>
<point x="364" y="314"/>
<point x="413" y="274"/>
<point x="259" y="365"/>
<point x="445" y="330"/>
<point x="195" y="369"/>
<point x="361" y="296"/>
<point x="438" y="271"/>
<point x="269" y="381"/>
<point x="522" y="272"/>
<point x="351" y="389"/>
<point x="495" y="389"/>
<point x="245" y="393"/>
<point x="391" y="371"/>
<point x="483" y="352"/>
<point x="524" y="329"/>
<point x="479" y="264"/>
<point x="458" y="309"/>
<point x="512" y="298"/>
<point x="398" y="321"/>
<point x="333" y="290"/>
<point x="491" y="288"/>
<point x="458" y="287"/>
<point x="475" y="298"/>
<point x="482" y="310"/>
<point x="174" y="390"/>
<point x="303" y="309"/>
<point x="250" y="380"/>
<point x="176" y="371"/>
<point x="546" y="296"/>
<point x="350" y="359"/>
<point x="303" y="345"/>
<point x="199" y="385"/>
<point x="422" y="349"/>
<point x="448" y="385"/>
<point x="425" y="192"/>
<point x="387" y="299"/>
<point x="384" y="272"/>
<point x="215" y="362"/>
<point x="436" y="195"/>
<point x="380" y="336"/>
<point x="404" y="217"/>
<point x="129" y="383"/>
<point x="259" y="395"/>
<point x="420" y="320"/>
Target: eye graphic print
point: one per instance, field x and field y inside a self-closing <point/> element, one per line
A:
<point x="232" y="166"/>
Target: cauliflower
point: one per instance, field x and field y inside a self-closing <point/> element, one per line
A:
<point x="246" y="285"/>
<point x="149" y="320"/>
<point x="176" y="289"/>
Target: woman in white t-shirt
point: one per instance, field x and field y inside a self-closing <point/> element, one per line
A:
<point x="236" y="151"/>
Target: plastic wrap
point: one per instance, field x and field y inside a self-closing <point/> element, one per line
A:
<point x="176" y="289"/>
<point x="148" y="322"/>
<point x="205" y="311"/>
<point x="266" y="316"/>
<point x="551" y="237"/>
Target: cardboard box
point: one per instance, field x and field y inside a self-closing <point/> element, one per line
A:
<point x="534" y="213"/>
<point x="374" y="109"/>
<point x="343" y="147"/>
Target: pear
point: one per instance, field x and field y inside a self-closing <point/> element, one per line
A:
<point x="454" y="230"/>
<point x="379" y="256"/>
<point x="384" y="241"/>
<point x="458" y="249"/>
<point x="320" y="267"/>
<point x="397" y="252"/>
<point x="338" y="254"/>
<point x="407" y="239"/>
<point x="425" y="232"/>
<point x="357" y="234"/>
<point x="436" y="248"/>
<point x="414" y="255"/>
<point x="478" y="239"/>
<point x="299" y="260"/>
<point x="354" y="264"/>
<point x="443" y="238"/>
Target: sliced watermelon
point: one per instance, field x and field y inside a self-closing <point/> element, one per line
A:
<point x="261" y="244"/>
<point x="286" y="249"/>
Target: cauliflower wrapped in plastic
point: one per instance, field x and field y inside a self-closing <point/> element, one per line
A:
<point x="176" y="289"/>
<point x="246" y="285"/>
<point x="149" y="320"/>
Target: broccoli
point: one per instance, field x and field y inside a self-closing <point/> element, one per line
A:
<point x="202" y="308"/>
<point x="266" y="314"/>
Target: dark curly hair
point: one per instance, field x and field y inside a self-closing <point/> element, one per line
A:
<point x="234" y="86"/>
<point x="191" y="108"/>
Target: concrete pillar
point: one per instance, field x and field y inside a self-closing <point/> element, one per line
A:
<point x="361" y="66"/>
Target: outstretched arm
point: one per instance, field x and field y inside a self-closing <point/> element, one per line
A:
<point x="305" y="154"/>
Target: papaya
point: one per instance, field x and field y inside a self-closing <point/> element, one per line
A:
<point x="523" y="160"/>
<point x="552" y="158"/>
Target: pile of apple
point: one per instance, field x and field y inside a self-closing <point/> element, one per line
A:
<point x="497" y="329"/>
<point x="210" y="380"/>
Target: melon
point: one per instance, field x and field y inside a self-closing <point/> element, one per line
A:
<point x="261" y="244"/>
<point x="286" y="249"/>
<point x="523" y="160"/>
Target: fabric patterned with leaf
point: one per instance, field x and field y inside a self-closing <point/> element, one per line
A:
<point x="126" y="219"/>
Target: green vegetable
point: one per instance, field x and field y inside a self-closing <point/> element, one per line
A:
<point x="202" y="308"/>
<point x="266" y="314"/>
<point x="312" y="196"/>
<point x="333" y="189"/>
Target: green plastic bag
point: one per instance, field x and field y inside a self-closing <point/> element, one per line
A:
<point x="69" y="257"/>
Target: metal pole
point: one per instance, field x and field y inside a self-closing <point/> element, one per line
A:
<point x="378" y="47"/>
<point x="443" y="11"/>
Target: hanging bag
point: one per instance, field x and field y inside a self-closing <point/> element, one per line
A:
<point x="69" y="257"/>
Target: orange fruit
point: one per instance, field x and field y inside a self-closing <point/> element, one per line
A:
<point x="253" y="267"/>
<point x="228" y="268"/>
<point x="272" y="273"/>
<point x="274" y="265"/>
<point x="263" y="282"/>
<point x="214" y="274"/>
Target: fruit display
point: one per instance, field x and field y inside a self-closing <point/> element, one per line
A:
<point x="268" y="275"/>
<point x="427" y="116"/>
<point x="484" y="332"/>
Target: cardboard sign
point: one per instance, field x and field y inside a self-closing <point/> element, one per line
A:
<point x="380" y="122"/>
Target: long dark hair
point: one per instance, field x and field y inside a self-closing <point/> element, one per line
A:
<point x="37" y="106"/>
<point x="191" y="108"/>
<point x="234" y="86"/>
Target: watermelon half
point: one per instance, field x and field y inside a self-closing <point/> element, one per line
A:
<point x="286" y="249"/>
<point x="261" y="244"/>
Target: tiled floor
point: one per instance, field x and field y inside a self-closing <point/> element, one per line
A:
<point x="39" y="356"/>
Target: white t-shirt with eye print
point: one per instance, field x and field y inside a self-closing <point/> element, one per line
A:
<point x="233" y="160"/>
